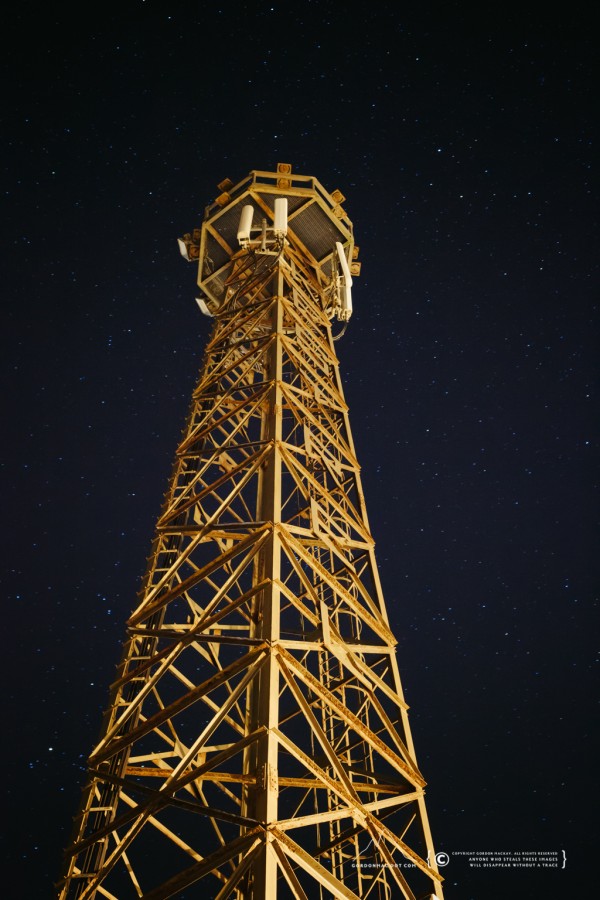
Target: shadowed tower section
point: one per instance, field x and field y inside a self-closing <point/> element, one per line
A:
<point x="256" y="742"/>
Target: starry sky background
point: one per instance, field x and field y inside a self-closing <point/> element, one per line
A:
<point x="463" y="143"/>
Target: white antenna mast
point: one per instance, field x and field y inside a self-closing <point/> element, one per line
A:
<point x="345" y="285"/>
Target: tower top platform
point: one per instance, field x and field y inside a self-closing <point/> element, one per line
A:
<point x="316" y="221"/>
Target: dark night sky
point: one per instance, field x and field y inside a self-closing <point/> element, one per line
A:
<point x="464" y="146"/>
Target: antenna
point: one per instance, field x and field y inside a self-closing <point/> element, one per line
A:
<point x="344" y="263"/>
<point x="280" y="219"/>
<point x="245" y="225"/>
<point x="278" y="231"/>
<point x="346" y="302"/>
<point x="345" y="285"/>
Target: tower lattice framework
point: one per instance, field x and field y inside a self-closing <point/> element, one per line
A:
<point x="256" y="742"/>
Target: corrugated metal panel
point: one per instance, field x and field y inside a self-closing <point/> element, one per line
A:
<point x="316" y="231"/>
<point x="215" y="287"/>
<point x="227" y="223"/>
<point x="217" y="255"/>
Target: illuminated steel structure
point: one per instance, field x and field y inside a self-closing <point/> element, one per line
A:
<point x="256" y="744"/>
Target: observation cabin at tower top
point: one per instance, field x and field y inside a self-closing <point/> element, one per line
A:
<point x="263" y="214"/>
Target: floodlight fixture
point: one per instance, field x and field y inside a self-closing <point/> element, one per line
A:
<point x="203" y="307"/>
<point x="183" y="249"/>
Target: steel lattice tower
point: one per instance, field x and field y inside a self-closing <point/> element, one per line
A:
<point x="256" y="742"/>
